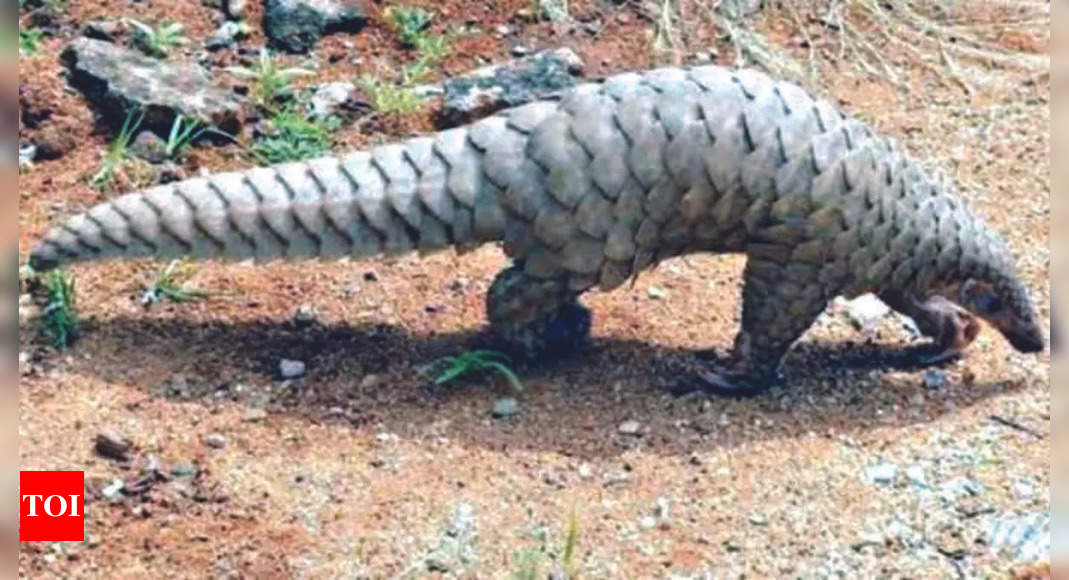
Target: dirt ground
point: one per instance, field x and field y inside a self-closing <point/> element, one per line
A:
<point x="361" y="469"/>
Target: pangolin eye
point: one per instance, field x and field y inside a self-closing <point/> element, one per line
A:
<point x="989" y="303"/>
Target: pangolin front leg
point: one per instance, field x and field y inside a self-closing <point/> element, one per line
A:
<point x="536" y="319"/>
<point x="951" y="327"/>
<point x="779" y="303"/>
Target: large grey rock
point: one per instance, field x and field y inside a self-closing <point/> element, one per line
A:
<point x="114" y="79"/>
<point x="295" y="26"/>
<point x="516" y="82"/>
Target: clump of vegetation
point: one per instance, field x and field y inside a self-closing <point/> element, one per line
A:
<point x="529" y="561"/>
<point x="271" y="85"/>
<point x="184" y="132"/>
<point x="390" y="98"/>
<point x="59" y="317"/>
<point x="294" y="137"/>
<point x="160" y="41"/>
<point x="30" y="42"/>
<point x="478" y="361"/>
<point x="168" y="287"/>
<point x="118" y="152"/>
<point x="398" y="97"/>
<point x="409" y="23"/>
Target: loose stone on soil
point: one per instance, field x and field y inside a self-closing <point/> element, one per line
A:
<point x="505" y="408"/>
<point x="882" y="473"/>
<point x="114" y="78"/>
<point x="111" y="446"/>
<point x="255" y="414"/>
<point x="290" y="369"/>
<point x="516" y="82"/>
<point x="295" y="26"/>
<point x="328" y="99"/>
<point x="183" y="469"/>
<point x="305" y="315"/>
<point x="215" y="440"/>
<point x="630" y="427"/>
<point x="934" y="380"/>
<point x="113" y="489"/>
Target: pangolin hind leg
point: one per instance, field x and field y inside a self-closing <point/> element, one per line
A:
<point x="779" y="303"/>
<point x="951" y="328"/>
<point x="535" y="319"/>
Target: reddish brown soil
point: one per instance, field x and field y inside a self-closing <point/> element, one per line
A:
<point x="355" y="476"/>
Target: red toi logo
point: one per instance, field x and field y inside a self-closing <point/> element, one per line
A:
<point x="51" y="506"/>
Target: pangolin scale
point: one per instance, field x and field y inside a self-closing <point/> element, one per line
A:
<point x="592" y="187"/>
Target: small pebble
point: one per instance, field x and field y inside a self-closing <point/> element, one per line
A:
<point x="882" y="473"/>
<point x="934" y="380"/>
<point x="305" y="316"/>
<point x="630" y="427"/>
<point x="915" y="474"/>
<point x="369" y="381"/>
<point x="1023" y="489"/>
<point x="520" y="51"/>
<point x="506" y="407"/>
<point x="656" y="293"/>
<point x="253" y="414"/>
<point x="648" y="522"/>
<point x="503" y="30"/>
<point x="758" y="519"/>
<point x="290" y="369"/>
<point x="662" y="508"/>
<point x="113" y="489"/>
<point x="215" y="440"/>
<point x="183" y="469"/>
<point x="585" y="471"/>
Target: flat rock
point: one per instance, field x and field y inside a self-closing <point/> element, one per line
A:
<point x="114" y="79"/>
<point x="295" y="26"/>
<point x="516" y="82"/>
<point x="337" y="99"/>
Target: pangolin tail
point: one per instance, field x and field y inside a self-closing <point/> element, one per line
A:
<point x="423" y="194"/>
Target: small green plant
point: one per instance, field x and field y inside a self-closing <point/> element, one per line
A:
<point x="167" y="286"/>
<point x="294" y="138"/>
<point x="59" y="316"/>
<point x="409" y="22"/>
<point x="158" y="42"/>
<point x="475" y="361"/>
<point x="527" y="564"/>
<point x="184" y="132"/>
<point x="433" y="48"/>
<point x="389" y="98"/>
<point x="29" y="42"/>
<point x="118" y="152"/>
<point x="571" y="542"/>
<point x="529" y="561"/>
<point x="271" y="85"/>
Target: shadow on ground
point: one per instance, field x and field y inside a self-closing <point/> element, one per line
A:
<point x="571" y="407"/>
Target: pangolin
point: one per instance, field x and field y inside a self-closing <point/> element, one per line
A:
<point x="602" y="181"/>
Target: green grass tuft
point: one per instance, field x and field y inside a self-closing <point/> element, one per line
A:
<point x="30" y="42"/>
<point x="118" y="152"/>
<point x="59" y="317"/>
<point x="168" y="287"/>
<point x="294" y="138"/>
<point x="409" y="23"/>
<point x="158" y="42"/>
<point x="478" y="361"/>
<point x="389" y="98"/>
<point x="271" y="85"/>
